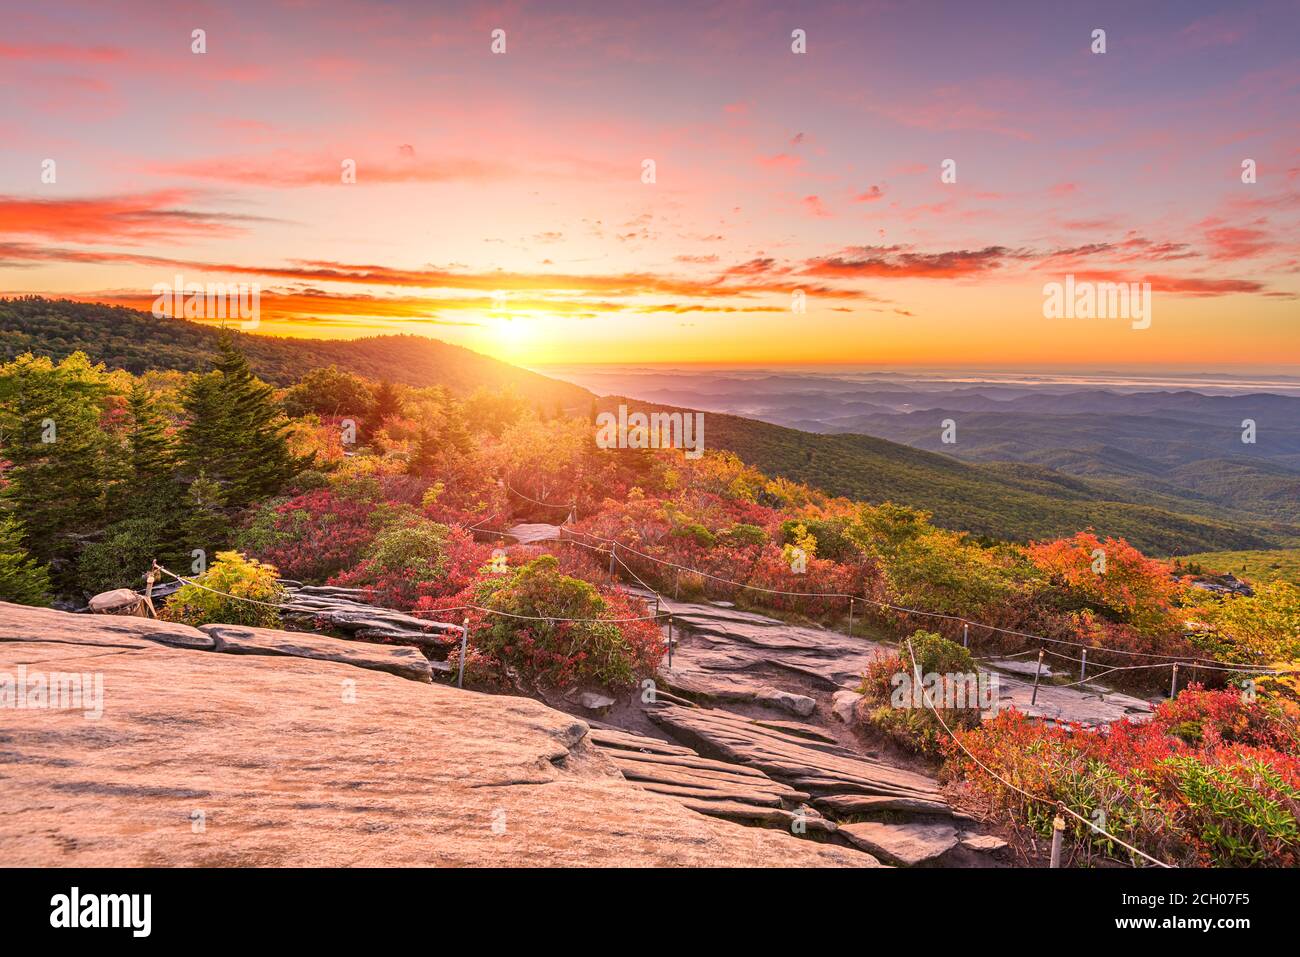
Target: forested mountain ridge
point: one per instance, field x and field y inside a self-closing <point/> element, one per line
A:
<point x="1016" y="503"/>
<point x="137" y="341"/>
<point x="996" y="500"/>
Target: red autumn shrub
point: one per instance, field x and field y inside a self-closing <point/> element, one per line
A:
<point x="1196" y="799"/>
<point x="311" y="536"/>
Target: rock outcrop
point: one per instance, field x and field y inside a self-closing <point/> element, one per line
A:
<point x="239" y="746"/>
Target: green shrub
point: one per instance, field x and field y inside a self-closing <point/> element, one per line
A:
<point x="742" y="535"/>
<point x="205" y="602"/>
<point x="543" y="646"/>
<point x="697" y="532"/>
<point x="121" y="558"/>
<point x="899" y="716"/>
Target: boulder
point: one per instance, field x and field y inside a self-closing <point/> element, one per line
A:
<point x="986" y="843"/>
<point x="119" y="601"/>
<point x="844" y="705"/>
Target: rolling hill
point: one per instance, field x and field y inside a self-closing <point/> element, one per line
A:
<point x="998" y="500"/>
<point x="126" y="339"/>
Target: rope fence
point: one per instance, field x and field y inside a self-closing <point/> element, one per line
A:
<point x="1059" y="805"/>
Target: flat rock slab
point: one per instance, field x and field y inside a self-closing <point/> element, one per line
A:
<point x="908" y="844"/>
<point x="242" y="640"/>
<point x="1065" y="705"/>
<point x="536" y="532"/>
<point x="985" y="843"/>
<point x="848" y="805"/>
<point x="285" y="770"/>
<point x="787" y="758"/>
<point x="734" y="688"/>
<point x="716" y="788"/>
<point x="731" y="641"/>
<point x="727" y="643"/>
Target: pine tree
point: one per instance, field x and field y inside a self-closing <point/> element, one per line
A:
<point x="386" y="402"/>
<point x="424" y="459"/>
<point x="60" y="457"/>
<point x="206" y="525"/>
<point x="151" y="450"/>
<point x="235" y="431"/>
<point x="454" y="433"/>
<point x="22" y="579"/>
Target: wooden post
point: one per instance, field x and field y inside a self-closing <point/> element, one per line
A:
<point x="613" y="550"/>
<point x="677" y="589"/>
<point x="1083" y="669"/>
<point x="1173" y="685"/>
<point x="670" y="639"/>
<point x="1058" y="832"/>
<point x="1037" y="672"/>
<point x="965" y="634"/>
<point x="149" y="579"/>
<point x="850" y="616"/>
<point x="464" y="644"/>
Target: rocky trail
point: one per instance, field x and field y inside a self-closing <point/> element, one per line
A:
<point x="752" y="722"/>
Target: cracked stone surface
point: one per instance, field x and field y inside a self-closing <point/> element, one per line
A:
<point x="304" y="761"/>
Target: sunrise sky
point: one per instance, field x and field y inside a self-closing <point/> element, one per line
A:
<point x="500" y="202"/>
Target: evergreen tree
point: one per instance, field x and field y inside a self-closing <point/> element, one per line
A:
<point x="235" y="431"/>
<point x="22" y="579"/>
<point x="60" y="457"/>
<point x="454" y="433"/>
<point x="206" y="524"/>
<point x="385" y="403"/>
<point x="424" y="459"/>
<point x="151" y="450"/>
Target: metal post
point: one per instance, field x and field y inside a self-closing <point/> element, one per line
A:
<point x="1058" y="832"/>
<point x="1037" y="672"/>
<point x="1083" y="669"/>
<point x="464" y="643"/>
<point x="1173" y="685"/>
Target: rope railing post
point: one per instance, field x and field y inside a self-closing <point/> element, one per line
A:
<point x="670" y="639"/>
<point x="1083" y="668"/>
<point x="1037" y="674"/>
<point x="613" y="552"/>
<point x="1173" y="685"/>
<point x="850" y="616"/>
<point x="1058" y="832"/>
<point x="464" y="644"/>
<point x="965" y="634"/>
<point x="149" y="579"/>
